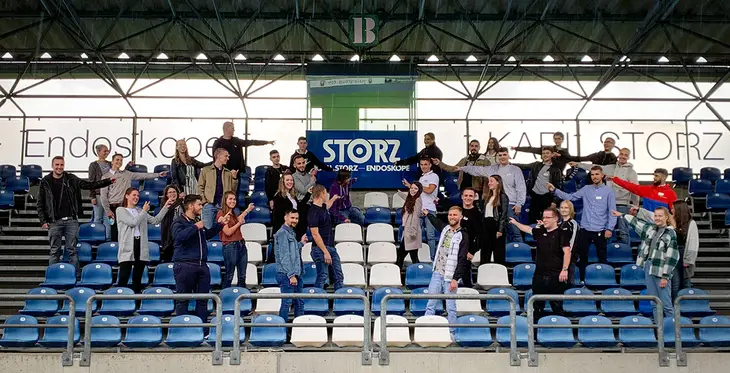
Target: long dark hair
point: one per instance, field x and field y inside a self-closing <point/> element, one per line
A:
<point x="410" y="203"/>
<point x="497" y="193"/>
<point x="343" y="176"/>
<point x="167" y="189"/>
<point x="682" y="218"/>
<point x="496" y="145"/>
<point x="127" y="193"/>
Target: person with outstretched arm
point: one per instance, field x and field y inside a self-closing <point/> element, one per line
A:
<point x="310" y="159"/>
<point x="561" y="156"/>
<point x="602" y="158"/>
<point x="474" y="158"/>
<point x="430" y="151"/>
<point x="658" y="194"/>
<point x="542" y="173"/>
<point x="235" y="146"/>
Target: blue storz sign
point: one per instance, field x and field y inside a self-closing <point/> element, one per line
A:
<point x="369" y="155"/>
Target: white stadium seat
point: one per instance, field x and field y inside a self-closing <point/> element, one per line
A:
<point x="396" y="336"/>
<point x="424" y="255"/>
<point x="380" y="232"/>
<point x="398" y="202"/>
<point x="376" y="199"/>
<point x="309" y="336"/>
<point x="307" y="253"/>
<point x="468" y="306"/>
<point x="381" y="252"/>
<point x="432" y="337"/>
<point x="268" y="305"/>
<point x="350" y="252"/>
<point x="385" y="274"/>
<point x="254" y="232"/>
<point x="348" y="336"/>
<point x="492" y="275"/>
<point x="252" y="277"/>
<point x="354" y="274"/>
<point x="255" y="255"/>
<point x="348" y="232"/>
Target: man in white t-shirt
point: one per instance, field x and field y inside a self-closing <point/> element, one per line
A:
<point x="430" y="182"/>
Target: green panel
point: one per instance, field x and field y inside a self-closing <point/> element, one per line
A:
<point x="341" y="118"/>
<point x="398" y="99"/>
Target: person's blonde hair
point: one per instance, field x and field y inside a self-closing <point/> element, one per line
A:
<point x="282" y="189"/>
<point x="570" y="207"/>
<point x="670" y="217"/>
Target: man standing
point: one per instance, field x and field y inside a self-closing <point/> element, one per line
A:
<point x="541" y="174"/>
<point x="303" y="181"/>
<point x="597" y="222"/>
<point x="235" y="146"/>
<point x="474" y="158"/>
<point x="472" y="221"/>
<point x="624" y="199"/>
<point x="273" y="175"/>
<point x="310" y="160"/>
<point x="59" y="207"/>
<point x="97" y="169"/>
<point x="450" y="265"/>
<point x="430" y="151"/>
<point x="552" y="265"/>
<point x="191" y="254"/>
<point x="430" y="182"/>
<point x="324" y="254"/>
<point x="215" y="180"/>
<point x="659" y="194"/>
<point x="287" y="251"/>
<point x="561" y="156"/>
<point x="601" y="158"/>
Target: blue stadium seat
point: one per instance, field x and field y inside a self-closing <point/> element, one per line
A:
<point x="377" y="215"/>
<point x="726" y="174"/>
<point x="451" y="182"/>
<point x="228" y="298"/>
<point x="259" y="185"/>
<point x="7" y="171"/>
<point x="722" y="186"/>
<point x="689" y="339"/>
<point x="579" y="307"/>
<point x="215" y="274"/>
<point x="455" y="198"/>
<point x="161" y="168"/>
<point x="711" y="174"/>
<point x="348" y="306"/>
<point x="592" y="254"/>
<point x="146" y="196"/>
<point x="58" y="337"/>
<point x="137" y="168"/>
<point x="318" y="307"/>
<point x="528" y="294"/>
<point x="645" y="306"/>
<point x="699" y="187"/>
<point x="60" y="276"/>
<point x="154" y="249"/>
<point x="185" y="337"/>
<point x="497" y="307"/>
<point x="19" y="337"/>
<point x="92" y="233"/>
<point x="260" y="172"/>
<point x="268" y="276"/>
<point x="164" y="276"/>
<point x="576" y="276"/>
<point x="83" y="250"/>
<point x="260" y="214"/>
<point x="695" y="308"/>
<point x="600" y="276"/>
<point x="518" y="252"/>
<point x="418" y="275"/>
<point x="259" y="199"/>
<point x="7" y="200"/>
<point x="143" y="337"/>
<point x="105" y="337"/>
<point x="596" y="337"/>
<point x="268" y="337"/>
<point x="618" y="307"/>
<point x="681" y="175"/>
<point x="80" y="295"/>
<point x="473" y="337"/>
<point x="156" y="185"/>
<point x="107" y="252"/>
<point x="136" y="184"/>
<point x="418" y="306"/>
<point x="310" y="274"/>
<point x="145" y="277"/>
<point x="713" y="337"/>
<point x="399" y="217"/>
<point x="503" y="334"/>
<point x="17" y="184"/>
<point x="619" y="253"/>
<point x="118" y="307"/>
<point x="157" y="307"/>
<point x="636" y="337"/>
<point x="727" y="218"/>
<point x="632" y="277"/>
<point x="227" y="331"/>
<point x="96" y="276"/>
<point x="394" y="306"/>
<point x="241" y="196"/>
<point x="40" y="307"/>
<point x="522" y="276"/>
<point x="718" y="202"/>
<point x="555" y="337"/>
<point x="154" y="233"/>
<point x="215" y="252"/>
<point x="580" y="175"/>
<point x="528" y="237"/>
<point x="570" y="186"/>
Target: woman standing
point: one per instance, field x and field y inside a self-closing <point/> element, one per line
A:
<point x="134" y="251"/>
<point x="491" y="152"/>
<point x="570" y="226"/>
<point x="495" y="221"/>
<point x="342" y="210"/>
<point x="176" y="209"/>
<point x="185" y="169"/>
<point x="235" y="253"/>
<point x="284" y="200"/>
<point x="411" y="240"/>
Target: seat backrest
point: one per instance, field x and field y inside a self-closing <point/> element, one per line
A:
<point x="191" y="333"/>
<point x="105" y="334"/>
<point x="60" y="334"/>
<point x="503" y="334"/>
<point x="378" y="295"/>
<point x="164" y="274"/>
<point x="492" y="275"/>
<point x="592" y="333"/>
<point x="80" y="295"/>
<point x="376" y="199"/>
<point x="523" y="272"/>
<point x="631" y="272"/>
<point x="722" y="334"/>
<point x="348" y="232"/>
<point x="96" y="272"/>
<point x="600" y="271"/>
<point x="107" y="251"/>
<point x="632" y="333"/>
<point x="25" y="334"/>
<point x="500" y="304"/>
<point x="380" y="232"/>
<point x="144" y="333"/>
<point x="254" y="232"/>
<point x="61" y="273"/>
<point x="693" y="304"/>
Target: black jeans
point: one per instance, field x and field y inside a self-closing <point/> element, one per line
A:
<point x="114" y="230"/>
<point x="401" y="255"/>
<point x="584" y="240"/>
<point x="492" y="244"/>
<point x="548" y="284"/>
<point x="538" y="204"/>
<point x="134" y="267"/>
<point x="192" y="277"/>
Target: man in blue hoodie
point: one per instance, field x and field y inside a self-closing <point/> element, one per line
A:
<point x="288" y="254"/>
<point x="191" y="254"/>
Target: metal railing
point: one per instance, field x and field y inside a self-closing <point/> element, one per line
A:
<point x="658" y="317"/>
<point x="366" y="349"/>
<point x="67" y="355"/>
<point x="384" y="355"/>
<point x="681" y="354"/>
<point x="217" y="352"/>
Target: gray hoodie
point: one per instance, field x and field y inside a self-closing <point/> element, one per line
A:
<point x="302" y="183"/>
<point x="623" y="172"/>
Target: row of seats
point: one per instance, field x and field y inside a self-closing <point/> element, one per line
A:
<point x="684" y="175"/>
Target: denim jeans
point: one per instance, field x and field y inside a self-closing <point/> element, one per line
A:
<point x="58" y="230"/>
<point x="192" y="277"/>
<point x="622" y="226"/>
<point x="430" y="230"/>
<point x="286" y="303"/>
<point x="440" y="286"/>
<point x="334" y="270"/>
<point x="235" y="256"/>
<point x="208" y="217"/>
<point x="98" y="216"/>
<point x="354" y="214"/>
<point x="664" y="294"/>
<point x="513" y="234"/>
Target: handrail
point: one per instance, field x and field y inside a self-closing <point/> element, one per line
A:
<point x="67" y="356"/>
<point x="681" y="354"/>
<point x="236" y="351"/>
<point x="217" y="352"/>
<point x="384" y="355"/>
<point x="658" y="317"/>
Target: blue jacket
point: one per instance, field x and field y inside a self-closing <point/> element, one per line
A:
<point x="190" y="243"/>
<point x="287" y="251"/>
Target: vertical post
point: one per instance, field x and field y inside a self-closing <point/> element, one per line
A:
<point x="514" y="356"/>
<point x="681" y="355"/>
<point x="235" y="358"/>
<point x="367" y="348"/>
<point x="86" y="353"/>
<point x="384" y="355"/>
<point x="67" y="358"/>
<point x="218" y="353"/>
<point x="532" y="354"/>
<point x="659" y="317"/>
<point x="24" y="136"/>
<point x="134" y="139"/>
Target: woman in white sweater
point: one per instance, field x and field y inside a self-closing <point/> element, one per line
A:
<point x="134" y="249"/>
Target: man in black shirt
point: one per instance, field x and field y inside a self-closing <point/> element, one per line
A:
<point x="552" y="265"/>
<point x="471" y="221"/>
<point x="430" y="151"/>
<point x="324" y="254"/>
<point x="235" y="146"/>
<point x="309" y="157"/>
<point x="272" y="176"/>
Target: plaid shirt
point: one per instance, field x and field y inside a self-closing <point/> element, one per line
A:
<point x="663" y="258"/>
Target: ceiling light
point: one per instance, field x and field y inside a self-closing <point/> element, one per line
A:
<point x="201" y="57"/>
<point x="355" y="58"/>
<point x="123" y="56"/>
<point x="84" y="56"/>
<point x="433" y="58"/>
<point x="586" y="58"/>
<point x="45" y="55"/>
<point x="701" y="59"/>
<point x="279" y="57"/>
<point x="471" y="58"/>
<point x="7" y="56"/>
<point x="663" y="59"/>
<point x="317" y="58"/>
<point x="394" y="58"/>
<point x="625" y="59"/>
<point x="240" y="57"/>
<point x="548" y="58"/>
<point x="162" y="56"/>
<point x="511" y="59"/>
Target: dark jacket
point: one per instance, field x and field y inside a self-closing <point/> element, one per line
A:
<point x="500" y="213"/>
<point x="311" y="160"/>
<point x="600" y="158"/>
<point x="235" y="148"/>
<point x="559" y="162"/>
<point x="70" y="193"/>
<point x="431" y="151"/>
<point x="281" y="204"/>
<point x="472" y="222"/>
<point x="95" y="174"/>
<point x="271" y="180"/>
<point x="167" y="243"/>
<point x="556" y="176"/>
<point x="190" y="243"/>
<point x="179" y="172"/>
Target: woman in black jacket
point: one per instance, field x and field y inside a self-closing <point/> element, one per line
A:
<point x="496" y="204"/>
<point x="286" y="199"/>
<point x="185" y="170"/>
<point x="176" y="209"/>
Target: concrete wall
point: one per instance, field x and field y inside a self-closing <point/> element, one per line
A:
<point x="347" y="362"/>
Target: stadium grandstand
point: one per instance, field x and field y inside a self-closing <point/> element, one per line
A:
<point x="181" y="147"/>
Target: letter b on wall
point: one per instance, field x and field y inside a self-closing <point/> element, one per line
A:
<point x="364" y="30"/>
